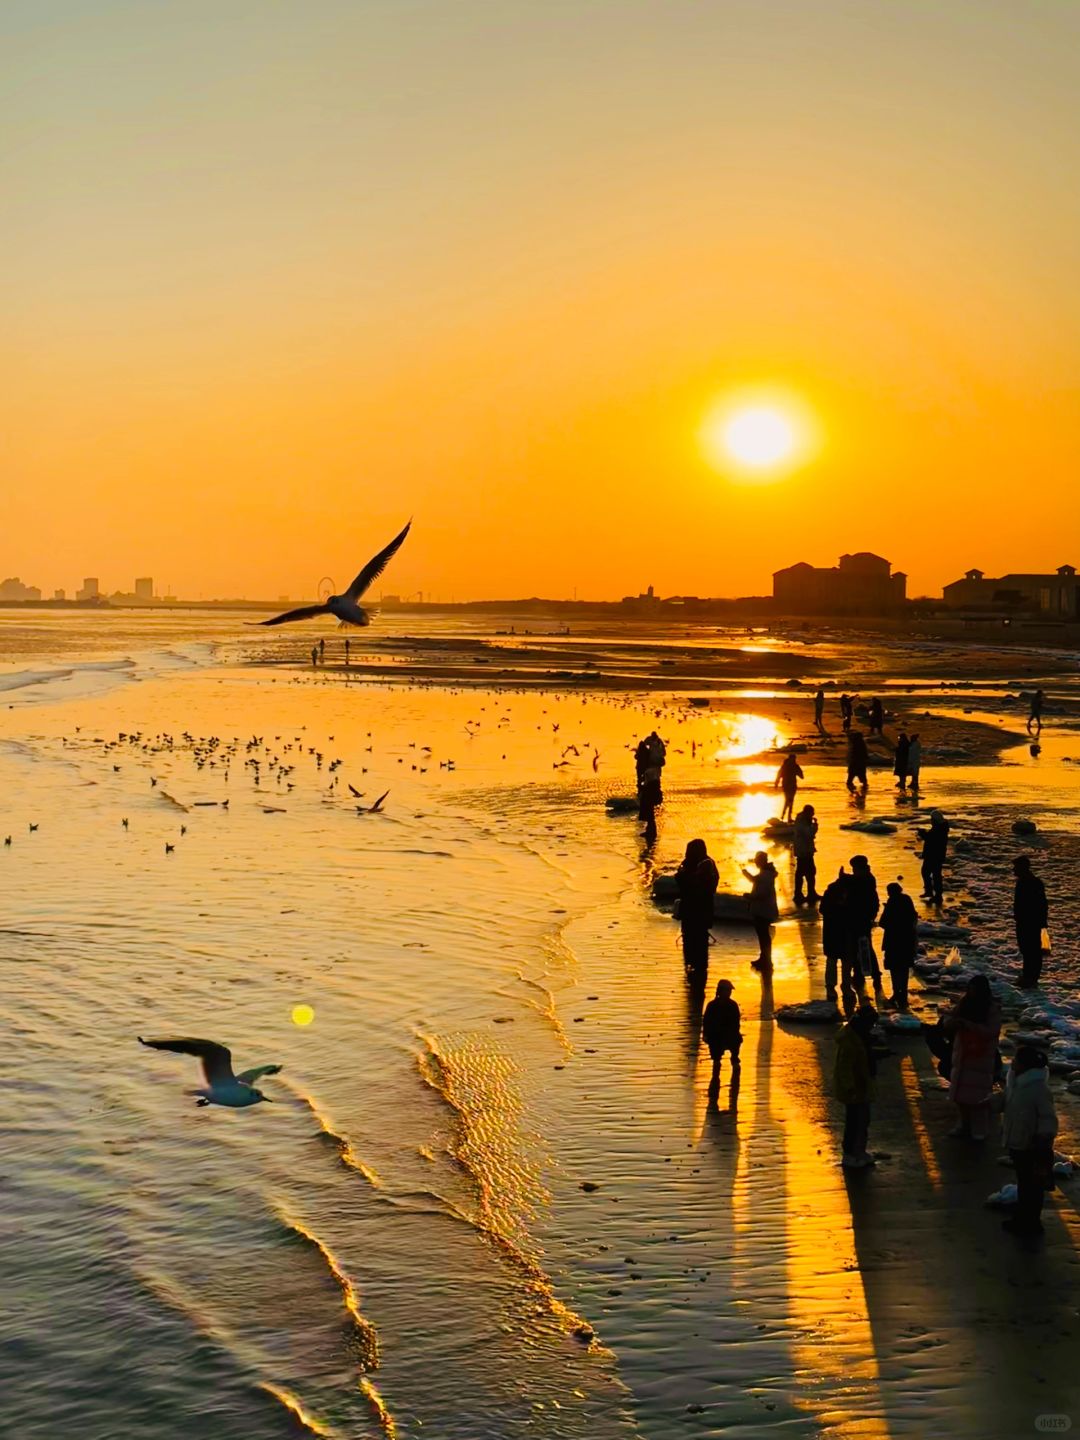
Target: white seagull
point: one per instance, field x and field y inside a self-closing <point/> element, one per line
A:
<point x="345" y="607"/>
<point x="222" y="1086"/>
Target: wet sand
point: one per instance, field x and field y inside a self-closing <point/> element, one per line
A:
<point x="492" y="1198"/>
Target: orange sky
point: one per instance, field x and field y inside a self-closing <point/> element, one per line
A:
<point x="277" y="276"/>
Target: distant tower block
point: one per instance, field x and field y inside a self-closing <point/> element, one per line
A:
<point x="144" y="588"/>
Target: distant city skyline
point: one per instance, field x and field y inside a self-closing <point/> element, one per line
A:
<point x="861" y="582"/>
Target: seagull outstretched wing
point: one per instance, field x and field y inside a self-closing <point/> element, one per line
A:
<point x="375" y="567"/>
<point x="249" y="1077"/>
<point x="305" y="612"/>
<point x="216" y="1059"/>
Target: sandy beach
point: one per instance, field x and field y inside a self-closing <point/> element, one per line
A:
<point x="492" y="1198"/>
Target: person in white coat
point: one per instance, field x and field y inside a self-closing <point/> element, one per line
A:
<point x="1028" y="1129"/>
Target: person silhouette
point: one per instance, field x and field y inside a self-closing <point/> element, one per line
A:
<point x="1034" y="724"/>
<point x="1030" y="915"/>
<point x="858" y="759"/>
<point x="696" y="878"/>
<point x="787" y="779"/>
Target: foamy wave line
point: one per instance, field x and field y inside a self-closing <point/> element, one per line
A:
<point x="547" y="1010"/>
<point x="367" y="1338"/>
<point x="302" y="1417"/>
<point x="434" y="1072"/>
<point x="346" y="1154"/>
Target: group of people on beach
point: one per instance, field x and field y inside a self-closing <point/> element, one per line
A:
<point x="964" y="1040"/>
<point x="965" y="1043"/>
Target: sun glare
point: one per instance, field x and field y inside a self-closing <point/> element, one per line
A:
<point x="759" y="437"/>
<point x="756" y="438"/>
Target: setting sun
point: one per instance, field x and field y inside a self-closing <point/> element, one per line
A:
<point x="758" y="437"/>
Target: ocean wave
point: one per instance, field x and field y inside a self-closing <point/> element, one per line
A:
<point x="306" y="1423"/>
<point x="364" y="1333"/>
<point x="345" y="1152"/>
<point x="365" y="1336"/>
<point x="173" y="1295"/>
<point x="475" y="1150"/>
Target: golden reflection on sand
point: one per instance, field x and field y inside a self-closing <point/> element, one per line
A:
<point x="912" y="1096"/>
<point x="832" y="1342"/>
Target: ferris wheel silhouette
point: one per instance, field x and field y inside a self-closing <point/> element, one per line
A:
<point x="326" y="588"/>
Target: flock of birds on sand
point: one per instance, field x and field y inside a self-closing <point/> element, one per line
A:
<point x="223" y="1086"/>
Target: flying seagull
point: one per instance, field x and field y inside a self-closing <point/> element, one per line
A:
<point x="346" y="607"/>
<point x="222" y="1086"/>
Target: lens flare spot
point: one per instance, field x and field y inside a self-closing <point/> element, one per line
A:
<point x="302" y="1015"/>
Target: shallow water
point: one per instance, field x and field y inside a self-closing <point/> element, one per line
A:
<point x="401" y="1243"/>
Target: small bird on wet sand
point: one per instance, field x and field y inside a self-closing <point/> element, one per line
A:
<point x="222" y="1086"/>
<point x="346" y="608"/>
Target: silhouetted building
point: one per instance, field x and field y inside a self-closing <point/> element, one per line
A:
<point x="59" y="594"/>
<point x="1056" y="596"/>
<point x="861" y="584"/>
<point x="91" y="590"/>
<point x="144" y="588"/>
<point x="646" y="601"/>
<point x="14" y="589"/>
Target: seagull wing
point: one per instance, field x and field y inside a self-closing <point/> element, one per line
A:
<point x="305" y="612"/>
<point x="379" y="802"/>
<point x="374" y="568"/>
<point x="216" y="1059"/>
<point x="248" y="1077"/>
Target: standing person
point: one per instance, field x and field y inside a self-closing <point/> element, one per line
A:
<point x="1031" y="914"/>
<point x="764" y="911"/>
<point x="322" y="651"/>
<point x="853" y="1084"/>
<point x="847" y="710"/>
<point x="877" y="717"/>
<point x="314" y="655"/>
<point x="804" y="844"/>
<point x="858" y="757"/>
<point x="1035" y="718"/>
<point x="834" y="933"/>
<point x="863" y="905"/>
<point x="974" y="1024"/>
<point x="901" y="760"/>
<point x="347" y="643"/>
<point x="720" y="1029"/>
<point x="934" y="850"/>
<point x="1028" y="1130"/>
<point x="819" y="708"/>
<point x="641" y="760"/>
<point x="914" y="760"/>
<point x="787" y="779"/>
<point x="697" y="879"/>
<point x="649" y="797"/>
<point x="657" y="750"/>
<point x="899" y="923"/>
